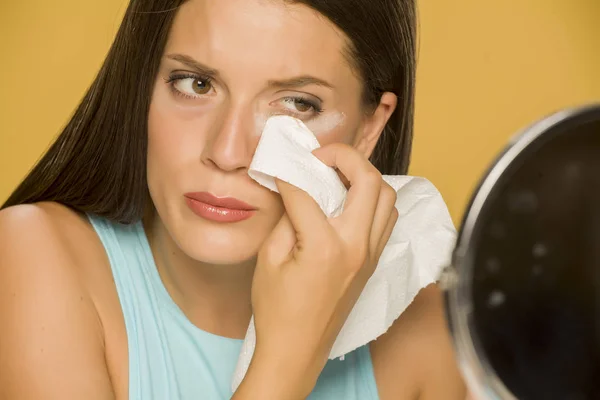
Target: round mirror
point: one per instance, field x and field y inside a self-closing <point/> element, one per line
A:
<point x="523" y="291"/>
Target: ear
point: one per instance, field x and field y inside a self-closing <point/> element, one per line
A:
<point x="374" y="123"/>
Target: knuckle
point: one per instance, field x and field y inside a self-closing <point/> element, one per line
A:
<point x="369" y="265"/>
<point x="359" y="256"/>
<point x="354" y="268"/>
<point x="394" y="215"/>
<point x="348" y="260"/>
<point x="331" y="253"/>
<point x="389" y="193"/>
<point x="372" y="176"/>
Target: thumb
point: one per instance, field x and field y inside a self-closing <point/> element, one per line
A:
<point x="279" y="244"/>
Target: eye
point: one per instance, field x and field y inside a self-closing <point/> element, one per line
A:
<point x="191" y="86"/>
<point x="300" y="105"/>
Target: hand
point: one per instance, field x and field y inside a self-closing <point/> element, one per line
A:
<point x="311" y="271"/>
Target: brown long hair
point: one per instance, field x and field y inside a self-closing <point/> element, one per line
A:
<point x="98" y="163"/>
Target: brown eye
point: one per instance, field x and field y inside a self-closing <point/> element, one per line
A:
<point x="191" y="86"/>
<point x="302" y="106"/>
<point x="201" y="86"/>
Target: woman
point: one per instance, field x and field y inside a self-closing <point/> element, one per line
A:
<point x="135" y="252"/>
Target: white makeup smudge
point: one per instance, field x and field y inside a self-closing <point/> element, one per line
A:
<point x="320" y="125"/>
<point x="326" y="123"/>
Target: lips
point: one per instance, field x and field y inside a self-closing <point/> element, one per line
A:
<point x="222" y="202"/>
<point x="218" y="209"/>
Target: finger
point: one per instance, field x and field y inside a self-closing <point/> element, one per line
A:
<point x="365" y="181"/>
<point x="383" y="213"/>
<point x="343" y="178"/>
<point x="386" y="234"/>
<point x="304" y="213"/>
<point x="279" y="244"/>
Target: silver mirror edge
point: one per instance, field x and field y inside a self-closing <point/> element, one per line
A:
<point x="456" y="281"/>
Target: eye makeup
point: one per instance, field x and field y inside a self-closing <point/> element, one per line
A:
<point x="193" y="87"/>
<point x="326" y="123"/>
<point x="321" y="124"/>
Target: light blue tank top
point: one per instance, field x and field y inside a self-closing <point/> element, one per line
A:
<point x="172" y="359"/>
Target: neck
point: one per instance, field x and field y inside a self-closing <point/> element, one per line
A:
<point x="215" y="298"/>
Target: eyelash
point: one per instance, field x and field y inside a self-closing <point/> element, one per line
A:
<point x="178" y="77"/>
<point x="316" y="107"/>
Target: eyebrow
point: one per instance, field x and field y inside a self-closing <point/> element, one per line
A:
<point x="295" y="82"/>
<point x="193" y="64"/>
<point x="299" y="81"/>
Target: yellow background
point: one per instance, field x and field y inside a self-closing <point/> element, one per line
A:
<point x="486" y="69"/>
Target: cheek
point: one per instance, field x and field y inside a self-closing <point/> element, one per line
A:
<point x="162" y="146"/>
<point x="160" y="152"/>
<point x="174" y="137"/>
<point x="339" y="126"/>
<point x="345" y="133"/>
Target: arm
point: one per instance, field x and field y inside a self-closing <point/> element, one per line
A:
<point x="415" y="358"/>
<point x="440" y="375"/>
<point x="51" y="343"/>
<point x="274" y="378"/>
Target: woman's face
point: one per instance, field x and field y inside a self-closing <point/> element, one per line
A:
<point x="228" y="65"/>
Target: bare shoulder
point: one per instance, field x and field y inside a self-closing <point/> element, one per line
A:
<point x="56" y="224"/>
<point x="415" y="358"/>
<point x="52" y="232"/>
<point x="52" y="342"/>
<point x="49" y="236"/>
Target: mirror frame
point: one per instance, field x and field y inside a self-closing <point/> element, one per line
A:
<point x="456" y="279"/>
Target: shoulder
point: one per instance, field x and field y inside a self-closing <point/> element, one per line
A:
<point x="46" y="223"/>
<point x="50" y="232"/>
<point x="51" y="331"/>
<point x="49" y="220"/>
<point x="415" y="359"/>
<point x="45" y="250"/>
<point x="38" y="238"/>
<point x="50" y="245"/>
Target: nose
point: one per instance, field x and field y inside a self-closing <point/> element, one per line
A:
<point x="232" y="140"/>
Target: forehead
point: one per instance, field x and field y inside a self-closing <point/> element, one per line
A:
<point x="269" y="36"/>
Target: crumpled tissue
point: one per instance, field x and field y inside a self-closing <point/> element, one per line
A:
<point x="420" y="245"/>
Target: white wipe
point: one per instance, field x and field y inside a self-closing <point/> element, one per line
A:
<point x="419" y="247"/>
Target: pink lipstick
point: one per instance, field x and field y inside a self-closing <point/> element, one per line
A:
<point x="218" y="209"/>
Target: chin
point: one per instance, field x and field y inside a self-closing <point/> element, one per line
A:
<point x="221" y="244"/>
